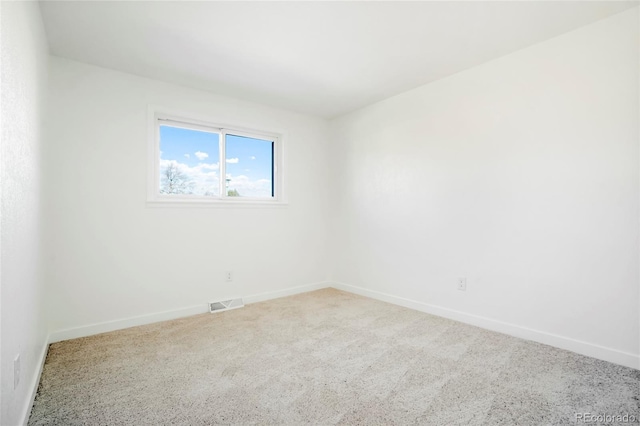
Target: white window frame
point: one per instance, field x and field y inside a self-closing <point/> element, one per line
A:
<point x="155" y="198"/>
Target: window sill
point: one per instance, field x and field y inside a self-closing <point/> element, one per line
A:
<point x="251" y="204"/>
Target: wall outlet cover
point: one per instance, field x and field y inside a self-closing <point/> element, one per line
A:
<point x="462" y="284"/>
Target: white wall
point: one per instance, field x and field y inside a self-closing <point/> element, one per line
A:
<point x="520" y="174"/>
<point x="24" y="72"/>
<point x="111" y="257"/>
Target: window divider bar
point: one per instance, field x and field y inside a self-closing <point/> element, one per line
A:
<point x="223" y="163"/>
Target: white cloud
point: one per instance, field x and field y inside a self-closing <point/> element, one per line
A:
<point x="250" y="188"/>
<point x="201" y="155"/>
<point x="187" y="156"/>
<point x="204" y="176"/>
<point x="233" y="160"/>
<point x="207" y="166"/>
<point x="253" y="157"/>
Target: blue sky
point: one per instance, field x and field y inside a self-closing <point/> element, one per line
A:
<point x="182" y="145"/>
<point x="248" y="160"/>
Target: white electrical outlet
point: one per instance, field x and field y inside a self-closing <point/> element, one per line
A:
<point x="229" y="276"/>
<point x="462" y="284"/>
<point x="16" y="371"/>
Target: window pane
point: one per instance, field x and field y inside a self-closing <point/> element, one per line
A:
<point x="249" y="164"/>
<point x="189" y="162"/>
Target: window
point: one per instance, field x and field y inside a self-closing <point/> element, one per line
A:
<point x="193" y="161"/>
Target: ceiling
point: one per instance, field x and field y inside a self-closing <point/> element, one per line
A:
<point x="321" y="58"/>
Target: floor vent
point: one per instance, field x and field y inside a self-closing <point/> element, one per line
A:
<point x="225" y="305"/>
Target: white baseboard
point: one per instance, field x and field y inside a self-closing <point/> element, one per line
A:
<point x="580" y="347"/>
<point x="103" y="327"/>
<point x="35" y="382"/>
<point x="261" y="297"/>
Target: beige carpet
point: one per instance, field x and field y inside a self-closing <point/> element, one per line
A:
<point x="325" y="357"/>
